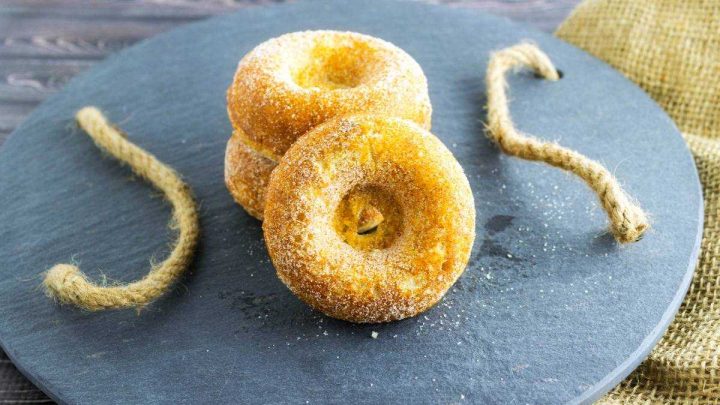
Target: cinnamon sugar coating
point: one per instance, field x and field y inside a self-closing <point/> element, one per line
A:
<point x="316" y="197"/>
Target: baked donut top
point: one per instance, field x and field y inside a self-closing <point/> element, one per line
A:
<point x="290" y="84"/>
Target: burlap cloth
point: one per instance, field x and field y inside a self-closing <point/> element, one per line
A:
<point x="671" y="48"/>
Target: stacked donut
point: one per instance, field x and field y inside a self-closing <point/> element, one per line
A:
<point x="290" y="84"/>
<point x="368" y="217"/>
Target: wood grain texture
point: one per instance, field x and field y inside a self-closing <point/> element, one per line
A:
<point x="44" y="43"/>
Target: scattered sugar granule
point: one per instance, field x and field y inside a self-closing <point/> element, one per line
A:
<point x="374" y="334"/>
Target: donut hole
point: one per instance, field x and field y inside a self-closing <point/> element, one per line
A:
<point x="334" y="66"/>
<point x="368" y="218"/>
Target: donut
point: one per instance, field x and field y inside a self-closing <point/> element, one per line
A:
<point x="369" y="218"/>
<point x="246" y="175"/>
<point x="290" y="84"/>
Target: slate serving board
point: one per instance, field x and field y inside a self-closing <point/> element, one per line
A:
<point x="549" y="310"/>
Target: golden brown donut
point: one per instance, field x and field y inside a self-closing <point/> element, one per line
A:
<point x="246" y="175"/>
<point x="289" y="84"/>
<point x="318" y="197"/>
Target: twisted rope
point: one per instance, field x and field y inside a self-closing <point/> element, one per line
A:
<point x="628" y="222"/>
<point x="69" y="285"/>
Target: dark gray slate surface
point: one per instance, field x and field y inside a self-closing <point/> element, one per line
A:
<point x="550" y="310"/>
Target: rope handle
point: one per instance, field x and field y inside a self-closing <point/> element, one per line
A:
<point x="628" y="221"/>
<point x="67" y="284"/>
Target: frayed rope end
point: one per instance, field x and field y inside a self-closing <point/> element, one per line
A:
<point x="633" y="226"/>
<point x="57" y="280"/>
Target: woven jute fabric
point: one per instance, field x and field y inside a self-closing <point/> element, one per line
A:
<point x="671" y="48"/>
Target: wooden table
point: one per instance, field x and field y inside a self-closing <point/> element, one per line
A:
<point x="47" y="42"/>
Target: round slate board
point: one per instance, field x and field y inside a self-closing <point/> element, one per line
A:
<point x="549" y="310"/>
